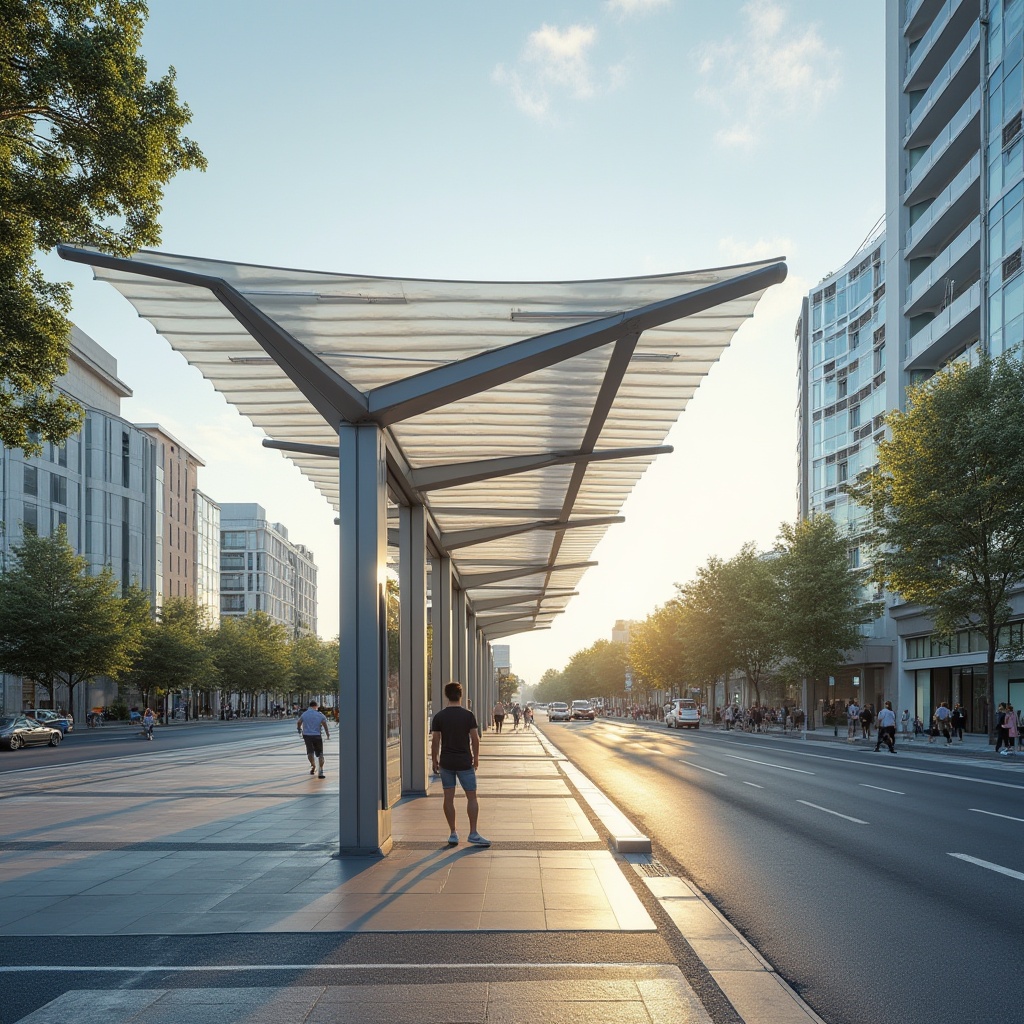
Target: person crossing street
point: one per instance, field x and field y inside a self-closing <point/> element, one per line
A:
<point x="309" y="724"/>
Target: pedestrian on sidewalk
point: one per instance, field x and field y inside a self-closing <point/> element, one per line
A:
<point x="957" y="720"/>
<point x="517" y="713"/>
<point x="867" y="716"/>
<point x="905" y="724"/>
<point x="455" y="756"/>
<point x="1010" y="728"/>
<point x="886" y="728"/>
<point x="918" y="726"/>
<point x="942" y="720"/>
<point x="309" y="724"/>
<point x="852" y="721"/>
<point x="499" y="715"/>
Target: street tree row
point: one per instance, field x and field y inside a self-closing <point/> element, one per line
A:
<point x="62" y="625"/>
<point x="790" y="614"/>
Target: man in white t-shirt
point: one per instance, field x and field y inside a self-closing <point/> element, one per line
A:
<point x="886" y="728"/>
<point x="852" y="721"/>
<point x="309" y="724"/>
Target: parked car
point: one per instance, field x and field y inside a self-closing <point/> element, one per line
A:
<point x="559" y="712"/>
<point x="582" y="709"/>
<point x="682" y="713"/>
<point x="21" y="731"/>
<point x="54" y="720"/>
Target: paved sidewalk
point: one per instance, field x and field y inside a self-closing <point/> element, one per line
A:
<point x="222" y="858"/>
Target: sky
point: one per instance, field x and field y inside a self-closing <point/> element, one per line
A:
<point x="526" y="140"/>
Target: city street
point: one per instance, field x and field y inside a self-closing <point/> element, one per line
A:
<point x="881" y="887"/>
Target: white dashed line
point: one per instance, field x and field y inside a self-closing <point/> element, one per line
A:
<point x="988" y="864"/>
<point x="882" y="789"/>
<point x="992" y="814"/>
<point x="703" y="769"/>
<point x="856" y="821"/>
<point x="754" y="784"/>
<point x="768" y="764"/>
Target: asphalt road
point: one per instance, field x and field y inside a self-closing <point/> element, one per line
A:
<point x="881" y="887"/>
<point x="117" y="740"/>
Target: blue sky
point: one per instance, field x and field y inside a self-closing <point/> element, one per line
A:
<point x="525" y="140"/>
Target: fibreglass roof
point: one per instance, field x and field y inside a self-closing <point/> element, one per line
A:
<point x="373" y="331"/>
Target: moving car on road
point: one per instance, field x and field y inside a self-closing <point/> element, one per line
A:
<point x="559" y="712"/>
<point x="54" y="720"/>
<point x="583" y="709"/>
<point x="18" y="731"/>
<point x="682" y="713"/>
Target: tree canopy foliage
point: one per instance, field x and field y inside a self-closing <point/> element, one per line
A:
<point x="947" y="501"/>
<point x="61" y="624"/>
<point x="87" y="145"/>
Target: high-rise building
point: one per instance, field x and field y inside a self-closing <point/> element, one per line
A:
<point x="950" y="281"/>
<point x="262" y="570"/>
<point x="207" y="560"/>
<point x="101" y="485"/>
<point x="844" y="369"/>
<point x="179" y="471"/>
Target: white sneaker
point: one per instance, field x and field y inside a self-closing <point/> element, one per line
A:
<point x="478" y="840"/>
<point x="453" y="839"/>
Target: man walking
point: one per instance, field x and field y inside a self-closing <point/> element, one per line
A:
<point x="455" y="755"/>
<point x="886" y="728"/>
<point x="942" y="720"/>
<point x="309" y="724"/>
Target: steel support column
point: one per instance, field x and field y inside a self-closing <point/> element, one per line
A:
<point x="365" y="825"/>
<point x="459" y="647"/>
<point x="441" y="621"/>
<point x="412" y="583"/>
<point x="471" y="680"/>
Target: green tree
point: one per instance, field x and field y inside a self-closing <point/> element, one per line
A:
<point x="176" y="652"/>
<point x="59" y="623"/>
<point x="752" y="607"/>
<point x="656" y="650"/>
<point x="947" y="502"/>
<point x="252" y="654"/>
<point x="596" y="671"/>
<point x="550" y="687"/>
<point x="822" y="608"/>
<point x="87" y="145"/>
<point x="704" y="626"/>
<point x="314" y="665"/>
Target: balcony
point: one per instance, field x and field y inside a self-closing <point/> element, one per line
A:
<point x="959" y="261"/>
<point x="958" y="325"/>
<point x="952" y="148"/>
<point x="947" y="92"/>
<point x="917" y="15"/>
<point x="954" y="206"/>
<point x="951" y="23"/>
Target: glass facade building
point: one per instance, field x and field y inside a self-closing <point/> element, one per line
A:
<point x="102" y="486"/>
<point x="262" y="570"/>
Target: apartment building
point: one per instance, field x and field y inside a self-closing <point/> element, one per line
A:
<point x="101" y="486"/>
<point x="262" y="570"/>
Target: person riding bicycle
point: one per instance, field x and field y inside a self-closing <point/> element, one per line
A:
<point x="148" y="721"/>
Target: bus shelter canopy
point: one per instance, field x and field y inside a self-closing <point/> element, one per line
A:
<point x="520" y="414"/>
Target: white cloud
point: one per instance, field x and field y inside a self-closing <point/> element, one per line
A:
<point x="556" y="62"/>
<point x="737" y="250"/>
<point x="627" y="7"/>
<point x="774" y="69"/>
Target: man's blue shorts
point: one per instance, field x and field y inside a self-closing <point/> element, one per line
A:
<point x="466" y="776"/>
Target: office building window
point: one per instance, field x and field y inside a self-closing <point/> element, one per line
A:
<point x="58" y="489"/>
<point x="30" y="483"/>
<point x="30" y="520"/>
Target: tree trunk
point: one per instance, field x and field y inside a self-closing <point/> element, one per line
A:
<point x="990" y="690"/>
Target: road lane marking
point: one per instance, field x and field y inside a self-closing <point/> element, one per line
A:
<point x="991" y="867"/>
<point x="882" y="789"/>
<point x="703" y="769"/>
<point x="214" y="968"/>
<point x="807" y="803"/>
<point x="992" y="814"/>
<point x="754" y="784"/>
<point x="886" y="766"/>
<point x="769" y="764"/>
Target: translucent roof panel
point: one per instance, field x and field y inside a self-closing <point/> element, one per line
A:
<point x="623" y="392"/>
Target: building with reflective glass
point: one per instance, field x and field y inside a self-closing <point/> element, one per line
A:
<point x="101" y="486"/>
<point x="262" y="570"/>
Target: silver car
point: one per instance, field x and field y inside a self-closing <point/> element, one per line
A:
<point x="559" y="712"/>
<point x="682" y="713"/>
